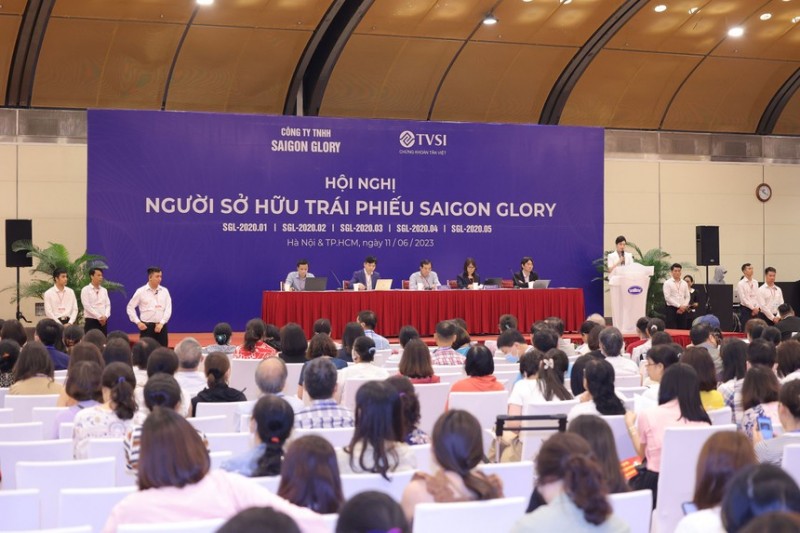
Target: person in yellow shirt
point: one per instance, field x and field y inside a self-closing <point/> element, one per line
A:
<point x="699" y="359"/>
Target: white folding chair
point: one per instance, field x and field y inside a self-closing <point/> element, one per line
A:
<point x="244" y="423"/>
<point x="6" y="415"/>
<point x="791" y="461"/>
<point x="23" y="404"/>
<point x="65" y="430"/>
<point x="330" y="521"/>
<point x="680" y="450"/>
<point x="47" y="416"/>
<point x="338" y="437"/>
<point x="508" y="377"/>
<point x="196" y="526"/>
<point x="450" y="377"/>
<point x="217" y="458"/>
<point x="629" y="392"/>
<point x="491" y="515"/>
<point x="424" y="456"/>
<point x="506" y="367"/>
<point x="720" y="416"/>
<point x="381" y="356"/>
<point x="518" y="478"/>
<point x="622" y="437"/>
<point x="625" y="380"/>
<point x="77" y="507"/>
<point x="60" y="373"/>
<point x="43" y="450"/>
<point x="449" y="369"/>
<point x="3" y="392"/>
<point x="353" y="484"/>
<point x="52" y="476"/>
<point x="112" y="447"/>
<point x="351" y="387"/>
<point x="634" y="508"/>
<point x="210" y="424"/>
<point x="243" y="376"/>
<point x="532" y="440"/>
<point x="25" y="431"/>
<point x="229" y="409"/>
<point x="292" y="378"/>
<point x="271" y="483"/>
<point x="20" y="509"/>
<point x="432" y="399"/>
<point x="485" y="406"/>
<point x="76" y="529"/>
<point x="235" y="443"/>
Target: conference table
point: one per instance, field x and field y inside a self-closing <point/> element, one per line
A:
<point x="481" y="309"/>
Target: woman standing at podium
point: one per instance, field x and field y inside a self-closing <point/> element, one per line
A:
<point x="619" y="256"/>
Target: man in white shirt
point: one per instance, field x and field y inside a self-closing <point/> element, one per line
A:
<point x="60" y="303"/>
<point x="619" y="256"/>
<point x="189" y="376"/>
<point x="748" y="295"/>
<point x="676" y="296"/>
<point x="770" y="297"/>
<point x="96" y="304"/>
<point x="155" y="308"/>
<point x="426" y="279"/>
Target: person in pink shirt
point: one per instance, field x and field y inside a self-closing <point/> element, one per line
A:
<point x="678" y="405"/>
<point x="177" y="485"/>
<point x="254" y="346"/>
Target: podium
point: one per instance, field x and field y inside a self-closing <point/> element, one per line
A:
<point x="629" y="285"/>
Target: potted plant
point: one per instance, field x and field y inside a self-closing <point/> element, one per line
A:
<point x="57" y="256"/>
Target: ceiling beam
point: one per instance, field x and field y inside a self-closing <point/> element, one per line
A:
<point x="30" y="37"/>
<point x="562" y="89"/>
<point x="777" y="104"/>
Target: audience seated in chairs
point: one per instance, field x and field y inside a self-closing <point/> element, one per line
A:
<point x="83" y="389"/>
<point x="599" y="398"/>
<point x="9" y="353"/>
<point x="118" y="350"/>
<point x="370" y="512"/>
<point x="734" y="367"/>
<point x="540" y="383"/>
<point x="410" y="409"/>
<point x="699" y="359"/>
<point x="352" y="331"/>
<point x="254" y="346"/>
<point x="364" y="367"/>
<point x="788" y="358"/>
<point x="140" y="354"/>
<point x="310" y="475"/>
<point x="759" y="397"/>
<point x="319" y="346"/>
<point x="324" y="411"/>
<point x="512" y="344"/>
<point x="659" y="358"/>
<point x="479" y="366"/>
<point x="293" y="344"/>
<point x="33" y="373"/>
<point x="260" y="520"/>
<point x="415" y="363"/>
<point x="757" y="490"/>
<point x="218" y="372"/>
<point x="222" y="340"/>
<point x="272" y="336"/>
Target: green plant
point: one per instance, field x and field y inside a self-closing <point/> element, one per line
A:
<point x="57" y="256"/>
<point x="656" y="258"/>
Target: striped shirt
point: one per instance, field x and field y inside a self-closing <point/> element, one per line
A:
<point x="324" y="414"/>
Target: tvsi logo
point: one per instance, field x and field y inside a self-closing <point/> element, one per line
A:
<point x="408" y="139"/>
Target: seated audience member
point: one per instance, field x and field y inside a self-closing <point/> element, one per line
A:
<point x="319" y="346"/>
<point x="410" y="410"/>
<point x="699" y="359"/>
<point x="722" y="455"/>
<point x="270" y="375"/>
<point x="679" y="405"/>
<point x="118" y="350"/>
<point x="272" y="337"/>
<point x="757" y="490"/>
<point x="310" y="475"/>
<point x="598" y="319"/>
<point x="507" y="322"/>
<point x="659" y="358"/>
<point x="9" y="353"/>
<point x="479" y="367"/>
<point x="463" y="341"/>
<point x="654" y="325"/>
<point x="188" y="376"/>
<point x="772" y="334"/>
<point x="703" y="336"/>
<point x="576" y="374"/>
<point x="512" y="344"/>
<point x="86" y="351"/>
<point x="322" y="325"/>
<point x="49" y="332"/>
<point x="260" y="520"/>
<point x="759" y="397"/>
<point x="789" y="326"/>
<point x="176" y="483"/>
<point x="364" y="366"/>
<point x="561" y="361"/>
<point x="599" y="398"/>
<point x="352" y="331"/>
<point x="83" y="389"/>
<point x="112" y="418"/>
<point x="570" y="480"/>
<point x="96" y="337"/>
<point x="586" y="327"/>
<point x="222" y="340"/>
<point x="406" y="334"/>
<point x="73" y="334"/>
<point x="543" y="337"/>
<point x="415" y="363"/>
<point x="771" y="450"/>
<point x="323" y="412"/>
<point x="539" y="383"/>
<point x="641" y="331"/>
<point x="754" y="328"/>
<point x="293" y="344"/>
<point x="734" y="366"/>
<point x="557" y="325"/>
<point x="140" y="353"/>
<point x="600" y="438"/>
<point x="15" y="331"/>
<point x="273" y="419"/>
<point x="444" y="337"/>
<point x="611" y="344"/>
<point x="119" y="334"/>
<point x="774" y="522"/>
<point x="162" y="360"/>
<point x="377" y="445"/>
<point x="469" y="276"/>
<point x="254" y="346"/>
<point x="371" y="512"/>
<point x="526" y="273"/>
<point x="369" y="320"/>
<point x="787" y="355"/>
<point x="458" y="451"/>
<point x="33" y="373"/>
<point x="218" y="372"/>
<point x="761" y="352"/>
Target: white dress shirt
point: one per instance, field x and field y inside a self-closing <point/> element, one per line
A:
<point x="60" y="303"/>
<point x="748" y="293"/>
<point x="95" y="302"/>
<point x="769" y="298"/>
<point x="676" y="294"/>
<point x="155" y="305"/>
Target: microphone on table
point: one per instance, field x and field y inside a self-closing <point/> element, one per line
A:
<point x="513" y="279"/>
<point x="341" y="286"/>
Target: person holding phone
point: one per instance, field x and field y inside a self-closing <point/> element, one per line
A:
<point x="759" y="398"/>
<point x="770" y="450"/>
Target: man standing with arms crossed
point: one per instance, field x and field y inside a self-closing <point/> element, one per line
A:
<point x="748" y="295"/>
<point x="96" y="304"/>
<point x="59" y="300"/>
<point x="155" y="308"/>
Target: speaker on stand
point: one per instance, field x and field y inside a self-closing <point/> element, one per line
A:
<point x="18" y="230"/>
<point x="707" y="240"/>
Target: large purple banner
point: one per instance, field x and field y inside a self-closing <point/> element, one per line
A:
<point x="227" y="204"/>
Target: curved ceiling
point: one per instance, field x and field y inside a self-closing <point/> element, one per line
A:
<point x="609" y="63"/>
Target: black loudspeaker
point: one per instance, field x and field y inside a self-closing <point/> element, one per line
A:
<point x="707" y="245"/>
<point x="18" y="230"/>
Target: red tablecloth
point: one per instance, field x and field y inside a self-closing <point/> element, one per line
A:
<point x="423" y="309"/>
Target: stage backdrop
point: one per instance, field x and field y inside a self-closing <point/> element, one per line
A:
<point x="226" y="204"/>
